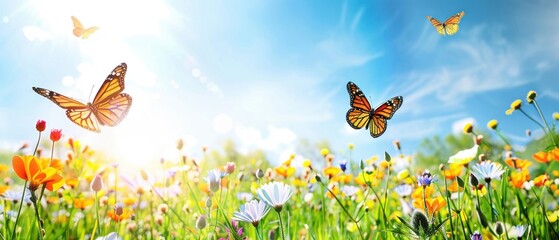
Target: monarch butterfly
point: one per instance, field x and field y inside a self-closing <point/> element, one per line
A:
<point x="361" y="114"/>
<point x="80" y="31"/>
<point x="109" y="106"/>
<point x="450" y="26"/>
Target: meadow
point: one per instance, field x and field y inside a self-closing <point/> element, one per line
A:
<point x="472" y="186"/>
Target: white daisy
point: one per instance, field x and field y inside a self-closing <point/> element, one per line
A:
<point x="251" y="212"/>
<point x="275" y="194"/>
<point x="488" y="170"/>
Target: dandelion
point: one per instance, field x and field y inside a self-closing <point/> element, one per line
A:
<point x="468" y="128"/>
<point x="251" y="212"/>
<point x="214" y="179"/>
<point x="515" y="105"/>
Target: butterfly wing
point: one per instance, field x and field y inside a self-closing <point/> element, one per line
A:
<point x="78" y="27"/>
<point x="77" y="112"/>
<point x="451" y="24"/>
<point x="438" y="25"/>
<point x="381" y="114"/>
<point x="110" y="105"/>
<point x="88" y="32"/>
<point x="359" y="113"/>
<point x="113" y="111"/>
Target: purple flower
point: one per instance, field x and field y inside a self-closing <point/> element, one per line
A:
<point x="425" y="179"/>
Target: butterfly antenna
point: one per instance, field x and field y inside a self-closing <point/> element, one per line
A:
<point x="90" y="92"/>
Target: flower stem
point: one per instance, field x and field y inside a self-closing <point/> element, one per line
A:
<point x="490" y="201"/>
<point x="34" y="201"/>
<point x="281" y="226"/>
<point x="531" y="118"/>
<point x="20" y="205"/>
<point x="425" y="201"/>
<point x="97" y="213"/>
<point x="545" y="122"/>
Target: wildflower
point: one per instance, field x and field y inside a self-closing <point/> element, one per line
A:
<point x="403" y="190"/>
<point x="418" y="192"/>
<point x="517" y="231"/>
<point x="543" y="157"/>
<point x="324" y="152"/>
<point x="332" y="171"/>
<point x="475" y="236"/>
<point x="556" y="116"/>
<point x="180" y="144"/>
<point x="275" y="194"/>
<point x="82" y="203"/>
<point x="454" y="171"/>
<point x="403" y="174"/>
<point x="163" y="208"/>
<point x="214" y="179"/>
<point x="343" y="165"/>
<point x="285" y="170"/>
<point x="397" y="145"/>
<point x="433" y="204"/>
<point x="531" y="96"/>
<point x="517" y="104"/>
<point x="464" y="157"/>
<point x="14" y="196"/>
<point x="55" y="134"/>
<point x="30" y="169"/>
<point x="201" y="222"/>
<point x="539" y="181"/>
<point x="517" y="179"/>
<point x="492" y="124"/>
<point x="488" y="170"/>
<point x="349" y="191"/>
<point x="425" y="179"/>
<point x="419" y="220"/>
<point x="351" y="146"/>
<point x="468" y="128"/>
<point x="119" y="209"/>
<point x="97" y="183"/>
<point x="517" y="163"/>
<point x="230" y="167"/>
<point x="41" y="125"/>
<point x="251" y="212"/>
<point x="479" y="190"/>
<point x="259" y="173"/>
<point x="110" y="236"/>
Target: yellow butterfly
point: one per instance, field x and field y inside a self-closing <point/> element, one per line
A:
<point x="450" y="26"/>
<point x="109" y="106"/>
<point x="80" y="31"/>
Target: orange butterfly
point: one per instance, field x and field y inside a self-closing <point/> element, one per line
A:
<point x="361" y="114"/>
<point x="109" y="106"/>
<point x="450" y="26"/>
<point x="80" y="31"/>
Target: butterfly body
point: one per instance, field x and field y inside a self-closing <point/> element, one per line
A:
<point x="108" y="107"/>
<point x="361" y="114"/>
<point x="448" y="27"/>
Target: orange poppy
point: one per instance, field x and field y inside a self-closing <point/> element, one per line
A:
<point x="517" y="179"/>
<point x="29" y="168"/>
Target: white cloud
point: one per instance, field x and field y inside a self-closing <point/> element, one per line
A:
<point x="34" y="33"/>
<point x="278" y="140"/>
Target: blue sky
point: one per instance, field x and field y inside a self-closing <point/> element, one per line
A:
<point x="270" y="73"/>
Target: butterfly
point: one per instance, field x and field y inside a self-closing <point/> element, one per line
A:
<point x="450" y="26"/>
<point x="80" y="31"/>
<point x="362" y="115"/>
<point x="109" y="106"/>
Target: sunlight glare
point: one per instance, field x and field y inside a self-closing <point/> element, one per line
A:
<point x="223" y="123"/>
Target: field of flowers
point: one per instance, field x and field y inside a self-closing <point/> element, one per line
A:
<point x="485" y="190"/>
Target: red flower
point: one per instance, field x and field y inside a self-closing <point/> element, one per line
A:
<point x="55" y="134"/>
<point x="41" y="125"/>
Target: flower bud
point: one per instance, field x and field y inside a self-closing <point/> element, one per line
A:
<point x="97" y="183"/>
<point x="419" y="219"/>
<point x="163" y="208"/>
<point x="499" y="229"/>
<point x="397" y="145"/>
<point x="55" y="134"/>
<point x="41" y="125"/>
<point x="473" y="180"/>
<point x="201" y="222"/>
<point x="180" y="144"/>
<point x="259" y="173"/>
<point x="230" y="167"/>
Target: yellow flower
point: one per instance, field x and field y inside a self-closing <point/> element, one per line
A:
<point x="351" y="227"/>
<point x="531" y="96"/>
<point x="324" y="151"/>
<point x="518" y="163"/>
<point x="351" y="146"/>
<point x="553" y="216"/>
<point x="418" y="192"/>
<point x="514" y="106"/>
<point x="541" y="180"/>
<point x="307" y="163"/>
<point x="556" y="116"/>
<point x="464" y="157"/>
<point x="480" y="190"/>
<point x="433" y="204"/>
<point x="492" y="124"/>
<point x="468" y="128"/>
<point x="454" y="171"/>
<point x="285" y="171"/>
<point x="517" y="179"/>
<point x="403" y="174"/>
